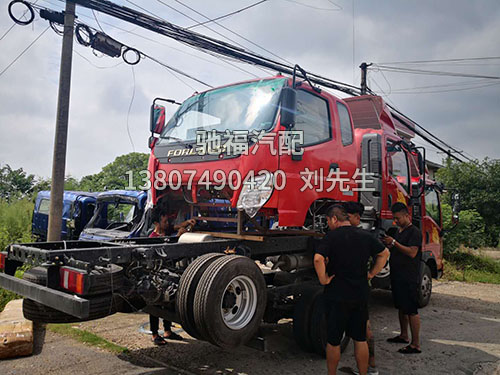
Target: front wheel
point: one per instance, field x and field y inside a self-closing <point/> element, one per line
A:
<point x="425" y="287"/>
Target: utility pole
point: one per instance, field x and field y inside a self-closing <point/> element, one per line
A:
<point x="364" y="87"/>
<point x="61" y="135"/>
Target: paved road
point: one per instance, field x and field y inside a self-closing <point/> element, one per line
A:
<point x="460" y="335"/>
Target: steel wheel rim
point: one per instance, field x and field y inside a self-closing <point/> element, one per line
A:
<point x="243" y="292"/>
<point x="426" y="286"/>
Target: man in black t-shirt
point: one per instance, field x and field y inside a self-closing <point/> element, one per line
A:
<point x="341" y="265"/>
<point x="354" y="212"/>
<point x="406" y="255"/>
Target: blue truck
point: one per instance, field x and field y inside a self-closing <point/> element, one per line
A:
<point x="118" y="214"/>
<point x="78" y="209"/>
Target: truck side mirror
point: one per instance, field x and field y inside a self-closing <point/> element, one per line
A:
<point x="157" y="118"/>
<point x="288" y="107"/>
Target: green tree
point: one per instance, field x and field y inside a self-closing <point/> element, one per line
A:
<point x="114" y="175"/>
<point x="469" y="232"/>
<point x="478" y="184"/>
<point x="15" y="182"/>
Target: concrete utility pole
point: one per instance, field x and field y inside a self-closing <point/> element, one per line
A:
<point x="61" y="135"/>
<point x="364" y="87"/>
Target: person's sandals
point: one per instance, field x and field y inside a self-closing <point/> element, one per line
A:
<point x="173" y="336"/>
<point x="160" y="341"/>
<point x="398" y="340"/>
<point x="371" y="371"/>
<point x="409" y="350"/>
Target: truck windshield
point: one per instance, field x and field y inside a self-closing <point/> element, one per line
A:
<point x="247" y="106"/>
<point x="118" y="215"/>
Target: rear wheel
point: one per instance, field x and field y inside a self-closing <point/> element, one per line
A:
<point x="230" y="301"/>
<point x="187" y="289"/>
<point x="302" y="318"/>
<point x="425" y="287"/>
<point x="319" y="329"/>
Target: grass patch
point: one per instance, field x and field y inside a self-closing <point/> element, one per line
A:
<point x="471" y="266"/>
<point x="7" y="296"/>
<point x="86" y="337"/>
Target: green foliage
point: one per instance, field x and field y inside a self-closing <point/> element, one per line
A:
<point x="15" y="221"/>
<point x="15" y="183"/>
<point x="469" y="232"/>
<point x="114" y="175"/>
<point x="478" y="184"/>
<point x="470" y="266"/>
<point x="6" y="296"/>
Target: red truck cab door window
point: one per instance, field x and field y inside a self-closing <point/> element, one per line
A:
<point x="398" y="179"/>
<point x="322" y="150"/>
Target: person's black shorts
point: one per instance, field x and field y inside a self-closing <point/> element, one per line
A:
<point x="405" y="296"/>
<point x="346" y="317"/>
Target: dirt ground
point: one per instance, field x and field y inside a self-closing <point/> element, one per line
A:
<point x="460" y="335"/>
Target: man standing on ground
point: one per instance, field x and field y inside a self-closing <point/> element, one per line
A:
<point x="354" y="212"/>
<point x="405" y="261"/>
<point x="163" y="228"/>
<point x="340" y="264"/>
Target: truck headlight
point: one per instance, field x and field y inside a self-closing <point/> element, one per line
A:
<point x="255" y="193"/>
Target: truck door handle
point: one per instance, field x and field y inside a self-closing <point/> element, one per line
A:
<point x="334" y="166"/>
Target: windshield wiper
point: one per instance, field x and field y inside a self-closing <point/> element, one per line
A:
<point x="182" y="142"/>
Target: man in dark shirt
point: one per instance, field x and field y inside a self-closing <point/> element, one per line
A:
<point x="354" y="212"/>
<point x="406" y="255"/>
<point x="341" y="265"/>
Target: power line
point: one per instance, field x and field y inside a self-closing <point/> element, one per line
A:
<point x="151" y="13"/>
<point x="227" y="15"/>
<point x="227" y="29"/>
<point x="97" y="66"/>
<point x="96" y="20"/>
<point x="431" y="72"/>
<point x="442" y="60"/>
<point x="168" y="46"/>
<point x="448" y="90"/>
<point x="14" y="24"/>
<point x="338" y="7"/>
<point x="129" y="108"/>
<point x="24" y="51"/>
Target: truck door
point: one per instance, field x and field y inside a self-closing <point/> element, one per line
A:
<point x="432" y="225"/>
<point x="398" y="177"/>
<point x="40" y="219"/>
<point x="327" y="144"/>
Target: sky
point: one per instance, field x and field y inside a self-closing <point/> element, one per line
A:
<point x="110" y="100"/>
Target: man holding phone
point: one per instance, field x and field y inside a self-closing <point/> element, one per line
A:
<point x="406" y="255"/>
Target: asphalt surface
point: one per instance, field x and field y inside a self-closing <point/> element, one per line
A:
<point x="460" y="335"/>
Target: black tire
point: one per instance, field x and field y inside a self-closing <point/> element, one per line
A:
<point x="187" y="289"/>
<point x="302" y="317"/>
<point x="36" y="275"/>
<point x="99" y="308"/>
<point x="318" y="328"/>
<point x="212" y="293"/>
<point x="106" y="280"/>
<point x="425" y="286"/>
